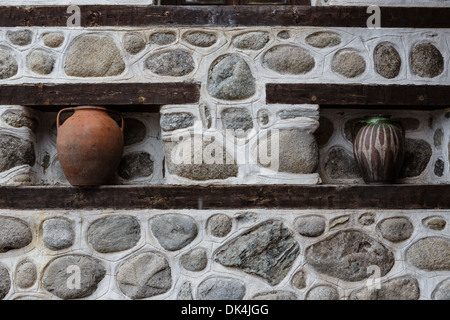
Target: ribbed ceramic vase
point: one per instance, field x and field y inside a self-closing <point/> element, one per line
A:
<point x="378" y="148"/>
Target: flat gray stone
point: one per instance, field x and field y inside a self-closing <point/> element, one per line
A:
<point x="442" y="291"/>
<point x="60" y="276"/>
<point x="15" y="152"/>
<point x="185" y="292"/>
<point x="219" y="225"/>
<point x="426" y="60"/>
<point x="40" y="62"/>
<point x="173" y="231"/>
<point x="347" y="254"/>
<point x="400" y="288"/>
<point x="298" y="280"/>
<point x="135" y="165"/>
<point x="5" y="282"/>
<point x="221" y="288"/>
<point x="251" y="40"/>
<point x="434" y="223"/>
<point x="135" y="131"/>
<point x="133" y="43"/>
<point x="310" y="226"/>
<point x="14" y="234"/>
<point x="163" y="38"/>
<point x="144" y="276"/>
<point x="94" y="56"/>
<point x="288" y="59"/>
<point x="431" y="253"/>
<point x="195" y="260"/>
<point x="176" y="63"/>
<point x="200" y="39"/>
<point x="323" y="39"/>
<point x="348" y="64"/>
<point x="8" y="65"/>
<point x="26" y="274"/>
<point x="53" y="39"/>
<point x="20" y="37"/>
<point x="417" y="156"/>
<point x="396" y="229"/>
<point x="113" y="234"/>
<point x="58" y="233"/>
<point x="275" y="295"/>
<point x="238" y="120"/>
<point x="268" y="251"/>
<point x="174" y="121"/>
<point x="322" y="292"/>
<point x="387" y="61"/>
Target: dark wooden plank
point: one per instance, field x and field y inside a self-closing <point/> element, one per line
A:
<point x="229" y="197"/>
<point x="119" y="94"/>
<point x="420" y="96"/>
<point x="228" y="16"/>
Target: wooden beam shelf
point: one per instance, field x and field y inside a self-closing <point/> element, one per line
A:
<point x="227" y="16"/>
<point x="402" y="197"/>
<point x="360" y="95"/>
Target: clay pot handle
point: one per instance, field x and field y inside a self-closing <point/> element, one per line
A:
<point x="59" y="114"/>
<point x="121" y="117"/>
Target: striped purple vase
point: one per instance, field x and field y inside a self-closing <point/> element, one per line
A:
<point x="378" y="149"/>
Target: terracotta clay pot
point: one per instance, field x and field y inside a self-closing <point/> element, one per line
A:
<point x="378" y="149"/>
<point x="89" y="145"/>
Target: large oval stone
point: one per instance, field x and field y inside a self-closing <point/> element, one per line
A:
<point x="176" y="63"/>
<point x="426" y="60"/>
<point x="432" y="254"/>
<point x="387" y="61"/>
<point x="287" y="59"/>
<point x="58" y="233"/>
<point x="14" y="234"/>
<point x="417" y="156"/>
<point x="348" y="64"/>
<point x="173" y="231"/>
<point x="396" y="229"/>
<point x="15" y="152"/>
<point x="347" y="254"/>
<point x="323" y="39"/>
<point x="251" y="40"/>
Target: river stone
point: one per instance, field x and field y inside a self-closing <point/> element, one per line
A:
<point x="347" y="254"/>
<point x="8" y="65"/>
<point x="14" y="234"/>
<point x="41" y="62"/>
<point x="396" y="229"/>
<point x="26" y="274"/>
<point x="284" y="35"/>
<point x="5" y="282"/>
<point x="230" y="78"/>
<point x="221" y="288"/>
<point x="263" y="117"/>
<point x="133" y="43"/>
<point x="195" y="260"/>
<point x="426" y="60"/>
<point x="387" y="61"/>
<point x="434" y="223"/>
<point x="145" y="276"/>
<point x="268" y="251"/>
<point x="219" y="225"/>
<point x="135" y="165"/>
<point x="20" y="37"/>
<point x="348" y="64"/>
<point x="325" y="131"/>
<point x="417" y="157"/>
<point x="310" y="226"/>
<point x="432" y="254"/>
<point x="322" y="292"/>
<point x="112" y="234"/>
<point x="287" y="59"/>
<point x="62" y="271"/>
<point x="53" y="39"/>
<point x="185" y="292"/>
<point x="58" y="233"/>
<point x="298" y="280"/>
<point x="176" y="63"/>
<point x="439" y="167"/>
<point x="135" y="131"/>
<point x="173" y="231"/>
<point x="341" y="165"/>
<point x="275" y="295"/>
<point x="174" y="121"/>
<point x="437" y="138"/>
<point x="200" y="39"/>
<point x="15" y="152"/>
<point x="323" y="39"/>
<point x="163" y="38"/>
<point x="94" y="56"/>
<point x="400" y="288"/>
<point x="19" y="120"/>
<point x="251" y="40"/>
<point x="442" y="291"/>
<point x="367" y="218"/>
<point x="238" y="120"/>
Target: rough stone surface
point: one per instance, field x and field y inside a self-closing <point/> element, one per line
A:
<point x="434" y="223"/>
<point x="53" y="39"/>
<point x="437" y="138"/>
<point x="339" y="222"/>
<point x="40" y="62"/>
<point x="298" y="280"/>
<point x="348" y="64"/>
<point x="323" y="39"/>
<point x="8" y="65"/>
<point x="287" y="59"/>
<point x="174" y="121"/>
<point x="341" y="165"/>
<point x="58" y="233"/>
<point x="439" y="167"/>
<point x="173" y="231"/>
<point x="275" y="295"/>
<point x="205" y="114"/>
<point x="263" y="117"/>
<point x="251" y="40"/>
<point x="284" y="35"/>
<point x="196" y="260"/>
<point x="426" y="60"/>
<point x="396" y="229"/>
<point x="367" y="218"/>
<point x="14" y="234"/>
<point x="400" y="288"/>
<point x="220" y="225"/>
<point x="221" y="288"/>
<point x="387" y="61"/>
<point x="5" y="282"/>
<point x="268" y="251"/>
<point x="322" y="292"/>
<point x="417" y="157"/>
<point x="94" y="56"/>
<point x="19" y="120"/>
<point x="115" y="233"/>
<point x="200" y="39"/>
<point x="163" y="38"/>
<point x="185" y="292"/>
<point x="133" y="43"/>
<point x="442" y="291"/>
<point x="135" y="165"/>
<point x="310" y="226"/>
<point x="347" y="254"/>
<point x="176" y="63"/>
<point x="135" y="131"/>
<point x="26" y="274"/>
<point x="432" y="254"/>
<point x="145" y="276"/>
<point x="56" y="278"/>
<point x="15" y="152"/>
<point x="20" y="37"/>
<point x="324" y="132"/>
<point x="230" y="78"/>
<point x="239" y="120"/>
